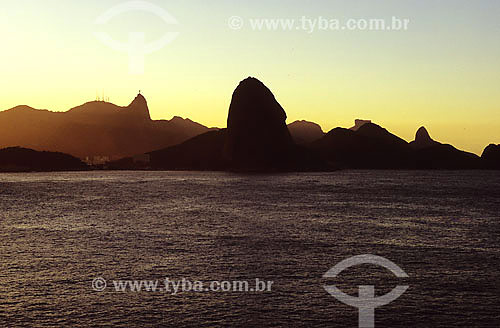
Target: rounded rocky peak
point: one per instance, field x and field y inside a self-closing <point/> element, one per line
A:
<point x="423" y="135"/>
<point x="253" y="89"/>
<point x="423" y="139"/>
<point x="251" y="81"/>
<point x="256" y="126"/>
<point x="139" y="100"/>
<point x="305" y="132"/>
<point x="140" y="107"/>
<point x="253" y="101"/>
<point x="491" y="152"/>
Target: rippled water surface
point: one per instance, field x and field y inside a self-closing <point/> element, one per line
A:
<point x="59" y="231"/>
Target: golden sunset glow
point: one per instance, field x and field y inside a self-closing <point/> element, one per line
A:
<point x="442" y="72"/>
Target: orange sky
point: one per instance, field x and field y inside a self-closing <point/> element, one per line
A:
<point x="442" y="72"/>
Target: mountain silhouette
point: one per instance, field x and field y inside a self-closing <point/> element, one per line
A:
<point x="430" y="154"/>
<point x="369" y="147"/>
<point x="95" y="128"/>
<point x="16" y="159"/>
<point x="373" y="147"/>
<point x="257" y="134"/>
<point x="423" y="139"/>
<point x="139" y="108"/>
<point x="491" y="157"/>
<point x="257" y="139"/>
<point x="304" y="132"/>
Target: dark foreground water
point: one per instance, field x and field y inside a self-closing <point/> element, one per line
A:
<point x="58" y="232"/>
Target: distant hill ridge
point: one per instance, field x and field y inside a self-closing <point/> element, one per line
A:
<point x="256" y="139"/>
<point x="16" y="159"/>
<point x="95" y="128"/>
<point x="304" y="132"/>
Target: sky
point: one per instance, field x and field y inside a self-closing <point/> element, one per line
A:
<point x="443" y="72"/>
